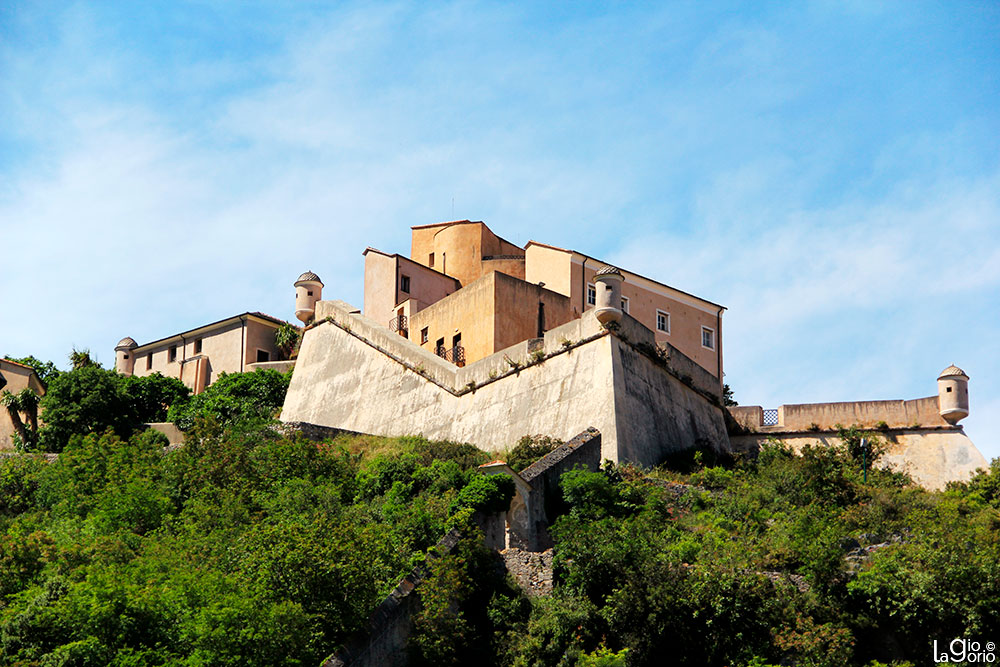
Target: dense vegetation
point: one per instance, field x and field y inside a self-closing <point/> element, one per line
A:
<point x="248" y="546"/>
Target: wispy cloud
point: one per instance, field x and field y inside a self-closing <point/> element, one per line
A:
<point x="829" y="179"/>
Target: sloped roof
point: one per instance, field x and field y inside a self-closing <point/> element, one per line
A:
<point x="126" y="343"/>
<point x="309" y="276"/>
<point x="953" y="371"/>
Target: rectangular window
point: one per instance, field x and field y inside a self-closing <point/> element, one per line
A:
<point x="624" y="304"/>
<point x="591" y="295"/>
<point x="662" y="321"/>
<point x="263" y="355"/>
<point x="708" y="338"/>
<point x="172" y="357"/>
<point x="404" y="284"/>
<point x="430" y="260"/>
<point x="423" y="335"/>
<point x="149" y="362"/>
<point x="197" y="346"/>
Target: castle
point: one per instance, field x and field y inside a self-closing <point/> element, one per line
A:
<point x="473" y="338"/>
<point x="198" y="357"/>
<point x="466" y="293"/>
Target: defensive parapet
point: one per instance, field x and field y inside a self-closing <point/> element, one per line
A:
<point x="354" y="374"/>
<point x="922" y="434"/>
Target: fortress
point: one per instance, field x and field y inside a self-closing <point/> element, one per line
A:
<point x="474" y="339"/>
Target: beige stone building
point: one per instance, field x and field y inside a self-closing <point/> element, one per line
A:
<point x="922" y="435"/>
<point x="197" y="357"/>
<point x="15" y="377"/>
<point x="466" y="293"/>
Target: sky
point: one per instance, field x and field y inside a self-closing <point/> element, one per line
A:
<point x="828" y="171"/>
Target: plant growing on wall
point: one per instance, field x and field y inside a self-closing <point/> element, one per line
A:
<point x="287" y="338"/>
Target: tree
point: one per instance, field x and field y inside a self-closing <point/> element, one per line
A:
<point x="25" y="401"/>
<point x="150" y="396"/>
<point x="727" y="396"/>
<point x="81" y="359"/>
<point x="85" y="400"/>
<point x="287" y="338"/>
<point x="235" y="397"/>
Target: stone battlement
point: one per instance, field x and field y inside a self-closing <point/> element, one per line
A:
<point x="354" y="374"/>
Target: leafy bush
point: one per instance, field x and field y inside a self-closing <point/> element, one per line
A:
<point x="528" y="450"/>
<point x="235" y="397"/>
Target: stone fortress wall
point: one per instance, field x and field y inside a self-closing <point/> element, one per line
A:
<point x="354" y="374"/>
<point x="922" y="435"/>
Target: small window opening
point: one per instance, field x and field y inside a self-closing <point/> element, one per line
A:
<point x="197" y="346"/>
<point x="172" y="357"/>
<point x="662" y="321"/>
<point x="708" y="338"/>
<point x="423" y="335"/>
<point x="404" y="284"/>
<point x="149" y="362"/>
<point x="126" y="357"/>
<point x="624" y="303"/>
<point x="948" y="389"/>
<point x="591" y="295"/>
<point x="263" y="355"/>
<point x="430" y="259"/>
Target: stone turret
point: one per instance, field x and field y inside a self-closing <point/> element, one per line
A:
<point x="953" y="394"/>
<point x="608" y="282"/>
<point x="124" y="359"/>
<point x="308" y="290"/>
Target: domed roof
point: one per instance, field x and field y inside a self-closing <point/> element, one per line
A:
<point x="126" y="343"/>
<point x="608" y="270"/>
<point x="953" y="371"/>
<point x="308" y="276"/>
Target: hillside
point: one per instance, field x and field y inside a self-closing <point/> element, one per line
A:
<point x="252" y="546"/>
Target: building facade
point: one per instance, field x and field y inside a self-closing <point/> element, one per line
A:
<point x="15" y="377"/>
<point x="466" y="293"/>
<point x="199" y="356"/>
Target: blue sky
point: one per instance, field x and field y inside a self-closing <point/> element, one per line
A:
<point x="829" y="171"/>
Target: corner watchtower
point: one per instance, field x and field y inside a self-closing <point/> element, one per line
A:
<point x="608" y="307"/>
<point x="124" y="359"/>
<point x="953" y="394"/>
<point x="308" y="290"/>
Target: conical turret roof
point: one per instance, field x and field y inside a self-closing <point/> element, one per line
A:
<point x="953" y="371"/>
<point x="309" y="276"/>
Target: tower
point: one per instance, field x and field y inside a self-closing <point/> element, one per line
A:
<point x="609" y="294"/>
<point x="124" y="359"/>
<point x="953" y="394"/>
<point x="308" y="290"/>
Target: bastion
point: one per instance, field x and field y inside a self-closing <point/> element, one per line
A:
<point x="647" y="401"/>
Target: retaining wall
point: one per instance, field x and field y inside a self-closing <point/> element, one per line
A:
<point x="356" y="375"/>
<point x="932" y="456"/>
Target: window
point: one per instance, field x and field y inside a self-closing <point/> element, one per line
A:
<point x="126" y="357"/>
<point x="948" y="390"/>
<point x="149" y="362"/>
<point x="263" y="355"/>
<point x="430" y="259"/>
<point x="662" y="321"/>
<point x="423" y="335"/>
<point x="172" y="357"/>
<point x="404" y="284"/>
<point x="309" y="292"/>
<point x="197" y="346"/>
<point x="624" y="304"/>
<point x="591" y="295"/>
<point x="708" y="338"/>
